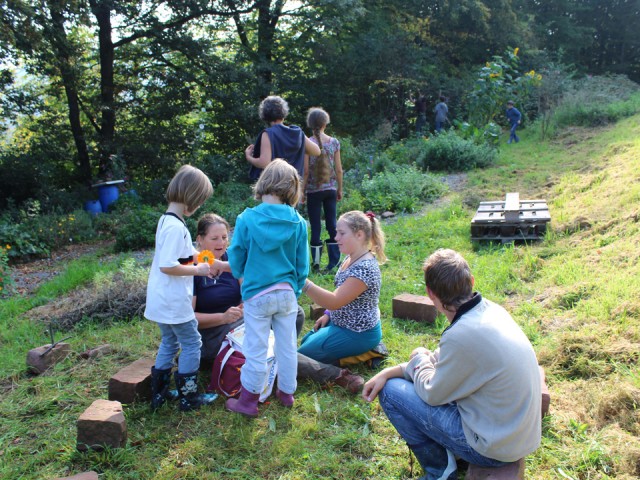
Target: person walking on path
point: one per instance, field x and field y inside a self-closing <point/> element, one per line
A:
<point x="441" y="112"/>
<point x="515" y="118"/>
<point x="478" y="395"/>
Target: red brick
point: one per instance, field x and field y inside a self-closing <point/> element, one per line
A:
<point x="546" y="397"/>
<point x="414" y="307"/>
<point x="316" y="311"/>
<point x="38" y="361"/>
<point x="513" y="471"/>
<point x="81" y="476"/>
<point x="97" y="351"/>
<point x="132" y="383"/>
<point x="102" y="425"/>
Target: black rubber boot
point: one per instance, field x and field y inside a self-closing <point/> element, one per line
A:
<point x="316" y="254"/>
<point x="160" y="392"/>
<point x="334" y="255"/>
<point x="190" y="399"/>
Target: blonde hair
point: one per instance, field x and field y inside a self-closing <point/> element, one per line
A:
<point x="189" y="186"/>
<point x="279" y="179"/>
<point x="358" y="221"/>
<point x="317" y="119"/>
<point x="448" y="275"/>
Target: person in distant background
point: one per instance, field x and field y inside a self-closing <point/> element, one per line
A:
<point x="514" y="117"/>
<point x="441" y="112"/>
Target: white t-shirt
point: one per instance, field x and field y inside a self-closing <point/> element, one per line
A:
<point x="169" y="296"/>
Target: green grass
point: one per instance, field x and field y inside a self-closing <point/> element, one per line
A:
<point x="575" y="294"/>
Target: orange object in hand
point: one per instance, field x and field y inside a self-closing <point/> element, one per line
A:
<point x="206" y="256"/>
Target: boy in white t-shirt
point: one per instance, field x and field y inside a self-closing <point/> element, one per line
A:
<point x="170" y="290"/>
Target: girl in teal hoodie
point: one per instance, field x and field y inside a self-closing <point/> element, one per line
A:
<point x="269" y="253"/>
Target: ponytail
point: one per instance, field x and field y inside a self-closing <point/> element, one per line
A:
<point x="317" y="119"/>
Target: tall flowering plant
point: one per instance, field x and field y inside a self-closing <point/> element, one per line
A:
<point x="497" y="82"/>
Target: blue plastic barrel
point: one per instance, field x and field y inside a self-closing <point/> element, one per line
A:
<point x="107" y="194"/>
<point x="94" y="207"/>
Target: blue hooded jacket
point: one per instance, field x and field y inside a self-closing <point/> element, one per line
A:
<point x="269" y="246"/>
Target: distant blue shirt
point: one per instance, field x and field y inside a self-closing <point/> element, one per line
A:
<point x="513" y="115"/>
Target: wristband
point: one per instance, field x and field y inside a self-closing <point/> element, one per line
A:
<point x="327" y="313"/>
<point x="307" y="286"/>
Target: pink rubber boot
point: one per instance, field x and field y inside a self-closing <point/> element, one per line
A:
<point x="246" y="404"/>
<point x="286" y="399"/>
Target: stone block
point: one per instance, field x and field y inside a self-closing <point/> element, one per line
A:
<point x="546" y="397"/>
<point x="316" y="311"/>
<point x="102" y="425"/>
<point x="41" y="359"/>
<point x="81" y="476"/>
<point x="414" y="307"/>
<point x="133" y="382"/>
<point x="513" y="471"/>
<point x="97" y="351"/>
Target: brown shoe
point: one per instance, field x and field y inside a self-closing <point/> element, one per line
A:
<point x="349" y="381"/>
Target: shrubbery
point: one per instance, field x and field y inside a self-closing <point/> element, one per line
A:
<point x="446" y="151"/>
<point x="595" y="101"/>
<point x="137" y="228"/>
<point x="404" y="189"/>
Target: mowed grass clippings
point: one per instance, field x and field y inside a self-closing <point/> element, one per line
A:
<point x="575" y="294"/>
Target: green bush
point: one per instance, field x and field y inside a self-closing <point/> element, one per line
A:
<point x="595" y="101"/>
<point x="228" y="200"/>
<point x="404" y="189"/>
<point x="449" y="152"/>
<point x="5" y="273"/>
<point x="137" y="228"/>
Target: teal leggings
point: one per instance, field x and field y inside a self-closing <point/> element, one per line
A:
<point x="331" y="343"/>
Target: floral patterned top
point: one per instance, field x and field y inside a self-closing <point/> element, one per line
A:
<point x="361" y="314"/>
<point x="312" y="183"/>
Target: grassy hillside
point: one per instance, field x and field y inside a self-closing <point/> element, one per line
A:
<point x="576" y="295"/>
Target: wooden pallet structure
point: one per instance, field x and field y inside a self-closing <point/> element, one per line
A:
<point x="510" y="219"/>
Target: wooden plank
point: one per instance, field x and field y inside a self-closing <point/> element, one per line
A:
<point x="512" y="207"/>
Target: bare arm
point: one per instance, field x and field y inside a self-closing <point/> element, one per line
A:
<point x="265" y="153"/>
<point x="346" y="293"/>
<point x="337" y="164"/>
<point x="202" y="269"/>
<point x="305" y="178"/>
<point x="208" y="320"/>
<point x="311" y="148"/>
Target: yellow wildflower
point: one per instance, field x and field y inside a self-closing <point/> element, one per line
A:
<point x="515" y="52"/>
<point x="8" y="247"/>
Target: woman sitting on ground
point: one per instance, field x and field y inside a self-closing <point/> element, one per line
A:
<point x="351" y="323"/>
<point x="217" y="303"/>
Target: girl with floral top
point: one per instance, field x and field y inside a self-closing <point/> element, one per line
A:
<point x="351" y="323"/>
<point x="322" y="185"/>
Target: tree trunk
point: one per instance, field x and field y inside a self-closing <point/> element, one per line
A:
<point x="102" y="11"/>
<point x="59" y="43"/>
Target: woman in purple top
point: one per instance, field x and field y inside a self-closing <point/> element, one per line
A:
<point x="278" y="140"/>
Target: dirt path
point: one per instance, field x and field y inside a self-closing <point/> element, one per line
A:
<point x="30" y="275"/>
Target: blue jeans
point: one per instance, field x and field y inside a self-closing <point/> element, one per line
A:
<point x="277" y="309"/>
<point x="434" y="434"/>
<point x="183" y="337"/>
<point x="331" y="343"/>
<point x="439" y="126"/>
<point x="512" y="134"/>
<point x="316" y="202"/>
